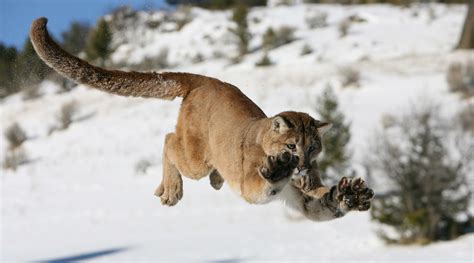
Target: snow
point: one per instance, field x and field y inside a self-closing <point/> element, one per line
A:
<point x="80" y="192"/>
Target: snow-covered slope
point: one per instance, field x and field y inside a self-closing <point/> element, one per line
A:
<point x="80" y="194"/>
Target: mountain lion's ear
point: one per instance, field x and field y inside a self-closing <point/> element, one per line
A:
<point x="323" y="127"/>
<point x="279" y="124"/>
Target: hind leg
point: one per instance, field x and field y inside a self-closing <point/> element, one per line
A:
<point x="171" y="188"/>
<point x="216" y="180"/>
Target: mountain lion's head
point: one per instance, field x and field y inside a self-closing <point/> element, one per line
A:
<point x="297" y="133"/>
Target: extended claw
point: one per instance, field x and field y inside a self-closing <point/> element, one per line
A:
<point x="343" y="185"/>
<point x="358" y="185"/>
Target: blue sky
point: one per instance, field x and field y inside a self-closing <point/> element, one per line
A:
<point x="16" y="15"/>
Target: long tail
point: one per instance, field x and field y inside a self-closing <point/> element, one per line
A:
<point x="167" y="85"/>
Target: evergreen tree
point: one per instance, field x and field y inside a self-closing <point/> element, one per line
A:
<point x="334" y="160"/>
<point x="29" y="68"/>
<point x="74" y="39"/>
<point x="98" y="42"/>
<point x="239" y="16"/>
<point x="269" y="39"/>
<point x="8" y="84"/>
<point x="217" y="4"/>
<point x="427" y="189"/>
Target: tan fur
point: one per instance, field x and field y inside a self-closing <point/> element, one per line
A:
<point x="219" y="131"/>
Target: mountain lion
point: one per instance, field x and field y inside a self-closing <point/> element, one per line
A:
<point x="223" y="134"/>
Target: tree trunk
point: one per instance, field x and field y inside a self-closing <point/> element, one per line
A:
<point x="467" y="36"/>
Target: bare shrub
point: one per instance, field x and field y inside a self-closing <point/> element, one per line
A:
<point x="349" y="76"/>
<point x="156" y="62"/>
<point x="460" y="78"/>
<point x="432" y="14"/>
<point x="161" y="60"/>
<point x="217" y="54"/>
<point x="306" y="49"/>
<point x="364" y="58"/>
<point x="198" y="58"/>
<point x="141" y="167"/>
<point x="66" y="115"/>
<point x="14" y="158"/>
<point x="279" y="37"/>
<point x="470" y="72"/>
<point x="153" y="24"/>
<point x="344" y="27"/>
<point x="316" y="20"/>
<point x="282" y="2"/>
<point x="15" y="135"/>
<point x="14" y="155"/>
<point x="67" y="85"/>
<point x="388" y="120"/>
<point x="182" y="16"/>
<point x="264" y="61"/>
<point x="454" y="77"/>
<point x="355" y="18"/>
<point x="31" y="92"/>
<point x="256" y="20"/>
<point x="466" y="118"/>
<point x="64" y="84"/>
<point x="286" y="34"/>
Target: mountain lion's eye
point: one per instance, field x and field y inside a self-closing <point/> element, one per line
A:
<point x="291" y="146"/>
<point x="311" y="148"/>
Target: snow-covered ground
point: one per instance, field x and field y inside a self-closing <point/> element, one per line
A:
<point x="81" y="195"/>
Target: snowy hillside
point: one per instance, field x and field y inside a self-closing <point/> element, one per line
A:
<point x="81" y="193"/>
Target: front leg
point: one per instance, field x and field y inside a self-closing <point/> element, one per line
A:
<point x="307" y="181"/>
<point x="348" y="195"/>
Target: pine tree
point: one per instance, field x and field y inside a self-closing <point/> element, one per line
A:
<point x="98" y="42"/>
<point x="269" y="39"/>
<point x="8" y="84"/>
<point x="74" y="39"/>
<point x="239" y="16"/>
<point x="426" y="188"/>
<point x="29" y="68"/>
<point x="217" y="4"/>
<point x="334" y="160"/>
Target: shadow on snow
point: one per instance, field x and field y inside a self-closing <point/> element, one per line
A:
<point x="86" y="256"/>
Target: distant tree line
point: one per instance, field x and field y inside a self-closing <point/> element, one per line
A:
<point x="393" y="2"/>
<point x="217" y="4"/>
<point x="224" y="4"/>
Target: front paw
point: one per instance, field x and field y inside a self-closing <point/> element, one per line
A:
<point x="353" y="194"/>
<point x="307" y="181"/>
<point x="276" y="168"/>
